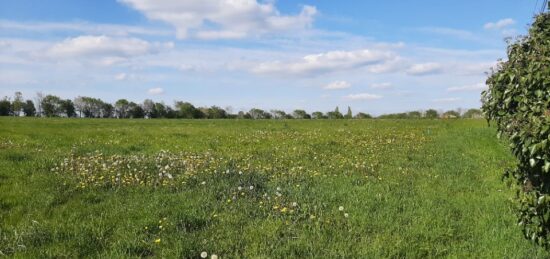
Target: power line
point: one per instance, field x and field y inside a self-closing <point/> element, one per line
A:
<point x="535" y="8"/>
<point x="544" y="5"/>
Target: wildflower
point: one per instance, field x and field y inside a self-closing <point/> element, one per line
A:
<point x="341" y="208"/>
<point x="279" y="189"/>
<point x="239" y="188"/>
<point x="203" y="183"/>
<point x="214" y="257"/>
<point x="346" y="215"/>
<point x="157" y="241"/>
<point x="240" y="172"/>
<point x="294" y="204"/>
<point x="204" y="254"/>
<point x="284" y="209"/>
<point x="251" y="187"/>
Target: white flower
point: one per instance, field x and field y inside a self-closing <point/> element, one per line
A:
<point x="278" y="194"/>
<point x="203" y="183"/>
<point x="169" y="176"/>
<point x="294" y="204"/>
<point x="240" y="188"/>
<point x="341" y="208"/>
<point x="251" y="187"/>
<point x="278" y="188"/>
<point x="346" y="215"/>
<point x="240" y="172"/>
<point x="204" y="254"/>
<point x="214" y="257"/>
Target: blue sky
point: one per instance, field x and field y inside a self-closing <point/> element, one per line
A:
<point x="375" y="56"/>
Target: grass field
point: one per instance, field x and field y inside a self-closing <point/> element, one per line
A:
<point x="255" y="189"/>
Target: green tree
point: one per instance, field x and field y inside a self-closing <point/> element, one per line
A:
<point x="51" y="106"/>
<point x="301" y="114"/>
<point x="28" y="109"/>
<point x="17" y="104"/>
<point x="363" y="116"/>
<point x="121" y="108"/>
<point x="67" y="107"/>
<point x="317" y="115"/>
<point x="335" y="114"/>
<point x="5" y="107"/>
<point x="135" y="111"/>
<point x="473" y="114"/>
<point x="431" y="114"/>
<point x="216" y="112"/>
<point x="518" y="101"/>
<point x="349" y="114"/>
<point x="188" y="111"/>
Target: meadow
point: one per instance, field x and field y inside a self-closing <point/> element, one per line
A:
<point x="256" y="189"/>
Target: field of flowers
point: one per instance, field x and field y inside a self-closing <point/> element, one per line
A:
<point x="241" y="189"/>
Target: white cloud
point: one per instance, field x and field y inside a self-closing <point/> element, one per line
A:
<point x="326" y="62"/>
<point x="223" y="19"/>
<point x="155" y="91"/>
<point x="121" y="76"/>
<point x="103" y="50"/>
<point x="447" y="100"/>
<point x="425" y="69"/>
<point x="500" y="24"/>
<point x="381" y="85"/>
<point x="337" y="85"/>
<point x="363" y="97"/>
<point x="84" y="27"/>
<point x="475" y="87"/>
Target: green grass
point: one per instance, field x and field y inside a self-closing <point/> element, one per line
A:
<point x="410" y="188"/>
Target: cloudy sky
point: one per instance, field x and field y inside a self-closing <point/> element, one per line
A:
<point x="375" y="56"/>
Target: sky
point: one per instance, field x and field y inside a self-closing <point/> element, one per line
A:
<point x="374" y="56"/>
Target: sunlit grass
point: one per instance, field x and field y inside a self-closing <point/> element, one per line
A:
<point x="233" y="189"/>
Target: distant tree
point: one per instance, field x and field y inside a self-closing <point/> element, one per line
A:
<point x="301" y="114"/>
<point x="121" y="108"/>
<point x="278" y="114"/>
<point x="259" y="114"/>
<point x="107" y="110"/>
<point x="414" y="115"/>
<point x="159" y="111"/>
<point x="80" y="105"/>
<point x="188" y="111"/>
<point x="216" y="112"/>
<point x="170" y="113"/>
<point x="349" y="114"/>
<point x="394" y="116"/>
<point x="148" y="108"/>
<point x="17" y="104"/>
<point x="51" y="106"/>
<point x="243" y="115"/>
<point x="28" y="109"/>
<point x="335" y="114"/>
<point x="473" y="114"/>
<point x="5" y="107"/>
<point x="317" y="115"/>
<point x="431" y="114"/>
<point x="135" y="111"/>
<point x="451" y="115"/>
<point x="67" y="107"/>
<point x="363" y="116"/>
<point x="38" y="101"/>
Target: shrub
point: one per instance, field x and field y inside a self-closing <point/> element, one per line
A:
<point x="518" y="100"/>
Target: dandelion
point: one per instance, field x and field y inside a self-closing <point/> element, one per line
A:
<point x="240" y="172"/>
<point x="346" y="215"/>
<point x="204" y="254"/>
<point x="240" y="188"/>
<point x="203" y="183"/>
<point x="294" y="204"/>
<point x="157" y="241"/>
<point x="279" y="189"/>
<point x="341" y="208"/>
<point x="214" y="257"/>
<point x="251" y="187"/>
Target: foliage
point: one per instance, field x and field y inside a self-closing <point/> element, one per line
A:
<point x="51" y="106"/>
<point x="5" y="107"/>
<point x="431" y="114"/>
<point x="28" y="108"/>
<point x="518" y="100"/>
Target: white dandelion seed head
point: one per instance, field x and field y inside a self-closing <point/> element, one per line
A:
<point x="346" y="215"/>
<point x="214" y="257"/>
<point x="240" y="172"/>
<point x="251" y="187"/>
<point x="239" y="188"/>
<point x="341" y="208"/>
<point x="204" y="254"/>
<point x="278" y="188"/>
<point x="294" y="204"/>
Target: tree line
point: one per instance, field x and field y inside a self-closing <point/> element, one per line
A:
<point x="89" y="107"/>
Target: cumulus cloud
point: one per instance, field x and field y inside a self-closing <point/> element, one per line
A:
<point x="362" y="97"/>
<point x="337" y="85"/>
<point x="155" y="91"/>
<point x="107" y="50"/>
<point x="326" y="62"/>
<point x="475" y="87"/>
<point x="500" y="24"/>
<point x="121" y="76"/>
<point x="381" y="85"/>
<point x="425" y="69"/>
<point x="222" y="19"/>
